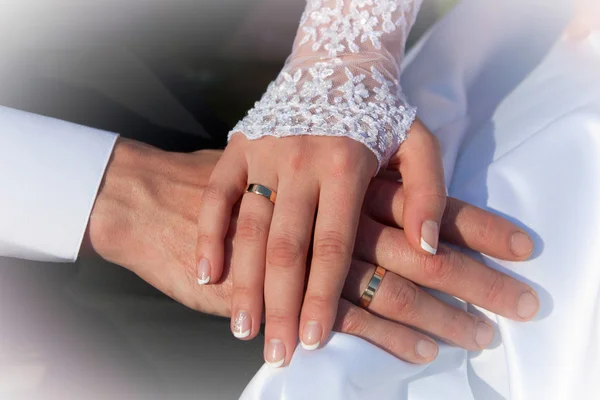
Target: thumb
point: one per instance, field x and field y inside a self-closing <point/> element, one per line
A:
<point x="420" y="164"/>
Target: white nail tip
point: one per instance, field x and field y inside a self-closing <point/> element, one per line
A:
<point x="275" y="364"/>
<point x="309" y="346"/>
<point x="425" y="246"/>
<point x="242" y="335"/>
<point x="203" y="281"/>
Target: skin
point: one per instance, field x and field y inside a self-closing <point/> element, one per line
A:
<point x="271" y="255"/>
<point x="145" y="219"/>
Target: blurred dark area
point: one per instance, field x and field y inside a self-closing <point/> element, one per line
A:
<point x="177" y="75"/>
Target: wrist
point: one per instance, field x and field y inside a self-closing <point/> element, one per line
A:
<point x="145" y="219"/>
<point x="112" y="208"/>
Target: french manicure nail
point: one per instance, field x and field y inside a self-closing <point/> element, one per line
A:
<point x="520" y="244"/>
<point x="242" y="325"/>
<point x="484" y="334"/>
<point x="426" y="349"/>
<point x="311" y="335"/>
<point x="203" y="272"/>
<point x="430" y="233"/>
<point x="275" y="353"/>
<point x="528" y="305"/>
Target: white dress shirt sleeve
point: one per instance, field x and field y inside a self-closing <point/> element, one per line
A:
<point x="50" y="172"/>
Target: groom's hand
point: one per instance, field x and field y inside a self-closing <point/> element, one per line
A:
<point x="145" y="219"/>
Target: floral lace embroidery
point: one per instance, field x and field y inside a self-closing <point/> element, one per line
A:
<point x="347" y="83"/>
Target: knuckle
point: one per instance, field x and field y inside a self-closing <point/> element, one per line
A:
<point x="485" y="231"/>
<point x="496" y="289"/>
<point x="434" y="194"/>
<point x="250" y="228"/>
<point x="284" y="251"/>
<point x="341" y="161"/>
<point x="330" y="247"/>
<point x="354" y="321"/>
<point x="279" y="316"/>
<point x="440" y="268"/>
<point x="206" y="239"/>
<point x="436" y="268"/>
<point x="296" y="158"/>
<point x="403" y="299"/>
<point x="243" y="293"/>
<point x="318" y="302"/>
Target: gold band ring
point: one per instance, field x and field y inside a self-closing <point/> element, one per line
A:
<point x="374" y="283"/>
<point x="262" y="191"/>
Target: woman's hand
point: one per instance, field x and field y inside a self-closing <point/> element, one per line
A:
<point x="326" y="177"/>
<point x="334" y="115"/>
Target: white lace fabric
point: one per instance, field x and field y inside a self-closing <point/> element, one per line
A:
<point x="342" y="78"/>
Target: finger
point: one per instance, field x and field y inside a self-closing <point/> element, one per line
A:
<point x="335" y="231"/>
<point x="248" y="264"/>
<point x="396" y="339"/>
<point x="464" y="225"/>
<point x="450" y="271"/>
<point x="398" y="299"/>
<point x="424" y="188"/>
<point x="225" y="186"/>
<point x="287" y="248"/>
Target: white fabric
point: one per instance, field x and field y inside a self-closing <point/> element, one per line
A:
<point x="519" y="120"/>
<point x="50" y="171"/>
<point x="342" y="77"/>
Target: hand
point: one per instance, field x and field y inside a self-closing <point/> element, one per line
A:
<point x="273" y="240"/>
<point x="450" y="271"/>
<point x="144" y="219"/>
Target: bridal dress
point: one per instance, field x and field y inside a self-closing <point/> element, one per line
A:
<point x="516" y="107"/>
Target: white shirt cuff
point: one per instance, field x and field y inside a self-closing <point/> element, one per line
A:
<point x="50" y="172"/>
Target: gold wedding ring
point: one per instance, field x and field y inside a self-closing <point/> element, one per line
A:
<point x="262" y="191"/>
<point x="374" y="283"/>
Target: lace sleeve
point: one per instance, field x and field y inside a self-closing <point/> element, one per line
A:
<point x="342" y="77"/>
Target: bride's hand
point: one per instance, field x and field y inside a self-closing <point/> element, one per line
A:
<point x="326" y="177"/>
<point x="334" y="115"/>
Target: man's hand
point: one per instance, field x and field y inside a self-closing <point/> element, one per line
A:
<point x="144" y="219"/>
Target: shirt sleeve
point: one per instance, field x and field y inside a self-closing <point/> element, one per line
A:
<point x="50" y="172"/>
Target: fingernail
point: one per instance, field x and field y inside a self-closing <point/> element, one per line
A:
<point x="242" y="325"/>
<point x="426" y="349"/>
<point x="203" y="272"/>
<point x="520" y="244"/>
<point x="429" y="236"/>
<point x="275" y="353"/>
<point x="484" y="334"/>
<point x="311" y="335"/>
<point x="528" y="305"/>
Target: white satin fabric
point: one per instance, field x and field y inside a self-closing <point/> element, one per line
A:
<point x="517" y="109"/>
